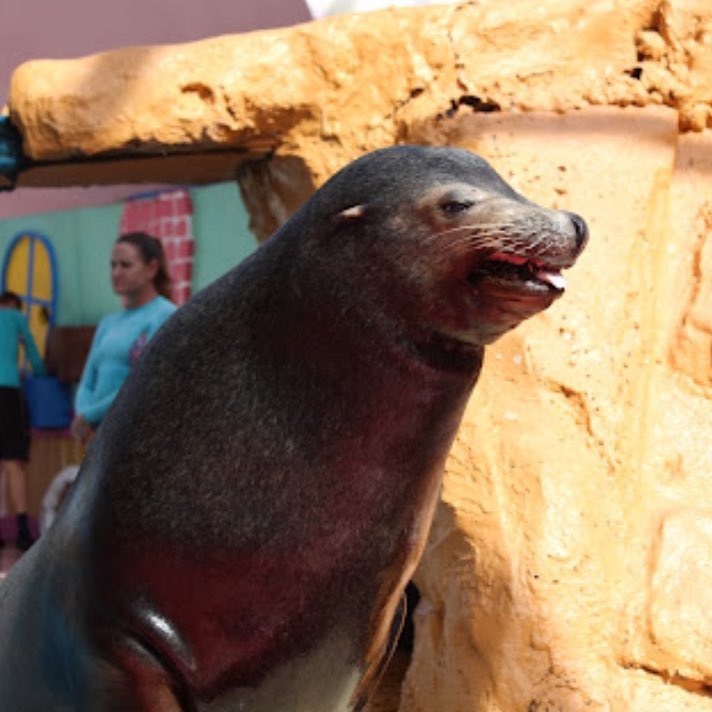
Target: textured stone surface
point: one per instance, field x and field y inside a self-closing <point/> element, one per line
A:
<point x="569" y="564"/>
<point x="329" y="90"/>
<point x="680" y="592"/>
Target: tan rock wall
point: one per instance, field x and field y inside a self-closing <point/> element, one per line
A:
<point x="570" y="563"/>
<point x="324" y="92"/>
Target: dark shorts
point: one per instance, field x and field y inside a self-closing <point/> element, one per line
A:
<point x="14" y="425"/>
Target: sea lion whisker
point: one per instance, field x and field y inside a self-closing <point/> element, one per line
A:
<point x="479" y="228"/>
<point x="450" y="232"/>
<point x="486" y="241"/>
<point x="472" y="233"/>
<point x="472" y="242"/>
<point x="489" y="239"/>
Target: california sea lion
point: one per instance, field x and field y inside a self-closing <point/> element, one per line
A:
<point x="248" y="515"/>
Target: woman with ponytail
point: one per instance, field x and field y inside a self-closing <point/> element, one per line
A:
<point x="140" y="277"/>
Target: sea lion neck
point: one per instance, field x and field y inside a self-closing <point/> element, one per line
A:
<point x="362" y="315"/>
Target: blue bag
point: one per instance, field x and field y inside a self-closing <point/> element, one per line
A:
<point x="49" y="402"/>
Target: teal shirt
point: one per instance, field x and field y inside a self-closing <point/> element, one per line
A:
<point x="117" y="344"/>
<point x="13" y="330"/>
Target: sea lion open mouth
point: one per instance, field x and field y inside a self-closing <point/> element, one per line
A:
<point x="520" y="273"/>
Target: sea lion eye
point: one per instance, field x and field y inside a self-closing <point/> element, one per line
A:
<point x="452" y="207"/>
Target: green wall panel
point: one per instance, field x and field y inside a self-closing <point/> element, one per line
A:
<point x="83" y="239"/>
<point x="220" y="225"/>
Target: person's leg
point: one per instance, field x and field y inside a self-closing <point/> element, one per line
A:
<point x="15" y="454"/>
<point x="17" y="489"/>
<point x="8" y="415"/>
<point x="16" y="484"/>
<point x="3" y="483"/>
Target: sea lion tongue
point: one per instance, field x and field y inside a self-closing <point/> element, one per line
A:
<point x="555" y="279"/>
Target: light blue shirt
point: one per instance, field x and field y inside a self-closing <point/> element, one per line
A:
<point x="117" y="344"/>
<point x="13" y="330"/>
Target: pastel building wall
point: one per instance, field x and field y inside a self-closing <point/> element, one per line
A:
<point x="82" y="240"/>
<point x="167" y="215"/>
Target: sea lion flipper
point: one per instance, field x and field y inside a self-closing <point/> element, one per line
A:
<point x="373" y="675"/>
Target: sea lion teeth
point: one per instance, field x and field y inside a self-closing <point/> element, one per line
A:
<point x="529" y="268"/>
<point x="554" y="278"/>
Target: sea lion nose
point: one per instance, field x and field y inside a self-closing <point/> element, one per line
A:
<point x="581" y="230"/>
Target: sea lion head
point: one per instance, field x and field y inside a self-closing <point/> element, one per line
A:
<point x="442" y="243"/>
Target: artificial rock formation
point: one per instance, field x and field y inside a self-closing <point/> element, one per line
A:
<point x="314" y="96"/>
<point x="570" y="564"/>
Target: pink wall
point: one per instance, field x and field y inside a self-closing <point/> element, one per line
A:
<point x="33" y="29"/>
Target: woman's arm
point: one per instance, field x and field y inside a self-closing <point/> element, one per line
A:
<point x="28" y="342"/>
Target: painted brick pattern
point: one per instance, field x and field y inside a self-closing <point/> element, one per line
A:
<point x="167" y="215"/>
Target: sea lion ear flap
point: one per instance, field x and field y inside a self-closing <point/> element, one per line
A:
<point x="355" y="212"/>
